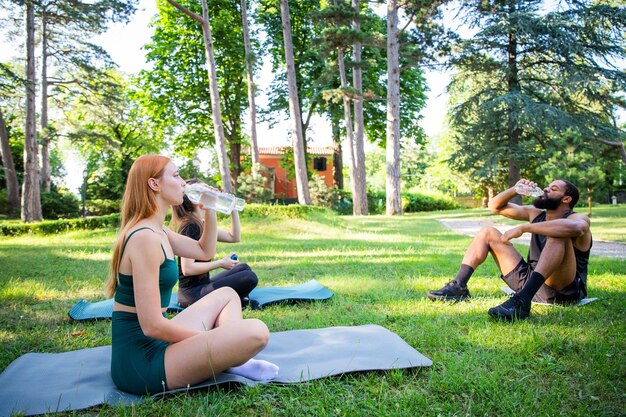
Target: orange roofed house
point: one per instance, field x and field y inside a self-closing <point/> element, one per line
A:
<point x="321" y="163"/>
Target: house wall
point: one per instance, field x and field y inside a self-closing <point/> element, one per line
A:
<point x="283" y="188"/>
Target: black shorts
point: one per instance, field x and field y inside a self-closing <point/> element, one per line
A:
<point x="516" y="279"/>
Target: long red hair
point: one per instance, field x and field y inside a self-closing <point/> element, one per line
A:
<point x="139" y="202"/>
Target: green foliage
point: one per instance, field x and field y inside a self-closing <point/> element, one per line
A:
<point x="100" y="207"/>
<point x="414" y="161"/>
<point x="175" y="91"/>
<point x="582" y="164"/>
<point x="48" y="227"/>
<point x="291" y="211"/>
<point x="110" y="131"/>
<point x="252" y="185"/>
<point x="414" y="202"/>
<point x="321" y="195"/>
<point x="411" y="202"/>
<point x="4" y="202"/>
<point x="529" y="76"/>
<point x="58" y="204"/>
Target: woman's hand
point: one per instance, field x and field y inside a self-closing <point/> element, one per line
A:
<point x="227" y="262"/>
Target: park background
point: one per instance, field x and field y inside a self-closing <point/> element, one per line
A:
<point x="556" y="109"/>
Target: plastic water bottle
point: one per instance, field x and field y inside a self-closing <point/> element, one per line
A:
<point x="525" y="189"/>
<point x="240" y="203"/>
<point x="212" y="199"/>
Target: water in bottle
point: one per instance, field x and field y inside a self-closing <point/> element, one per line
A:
<point x="525" y="189"/>
<point x="212" y="199"/>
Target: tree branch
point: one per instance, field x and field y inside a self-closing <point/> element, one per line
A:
<point x="186" y="11"/>
<point x="619" y="145"/>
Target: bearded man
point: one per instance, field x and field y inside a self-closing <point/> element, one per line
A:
<point x="555" y="270"/>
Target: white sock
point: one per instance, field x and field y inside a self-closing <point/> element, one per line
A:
<point x="256" y="369"/>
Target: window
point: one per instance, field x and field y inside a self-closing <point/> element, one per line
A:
<point x="319" y="164"/>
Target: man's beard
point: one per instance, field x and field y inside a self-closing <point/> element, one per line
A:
<point x="547" y="203"/>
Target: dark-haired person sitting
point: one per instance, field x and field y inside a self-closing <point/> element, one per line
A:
<point x="556" y="268"/>
<point x="194" y="281"/>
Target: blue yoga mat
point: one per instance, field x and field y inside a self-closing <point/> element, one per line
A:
<point x="312" y="290"/>
<point x="37" y="383"/>
<point x="509" y="291"/>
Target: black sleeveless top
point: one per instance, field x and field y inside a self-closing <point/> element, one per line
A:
<point x="194" y="231"/>
<point x="537" y="243"/>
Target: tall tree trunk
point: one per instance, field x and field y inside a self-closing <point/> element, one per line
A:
<point x="31" y="200"/>
<point x="13" y="191"/>
<point x="513" y="131"/>
<point x="302" y="184"/>
<point x="394" y="199"/>
<point x="360" y="189"/>
<point x="235" y="154"/>
<point x="251" y="87"/>
<point x="216" y="113"/>
<point x="45" y="134"/>
<point x="337" y="154"/>
<point x="357" y="197"/>
<point x="218" y="126"/>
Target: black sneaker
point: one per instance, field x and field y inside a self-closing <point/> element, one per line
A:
<point x="450" y="292"/>
<point x="512" y="309"/>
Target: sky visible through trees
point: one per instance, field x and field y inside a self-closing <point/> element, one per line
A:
<point x="124" y="43"/>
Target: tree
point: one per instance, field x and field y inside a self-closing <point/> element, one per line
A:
<point x="31" y="200"/>
<point x="343" y="33"/>
<point x="544" y="74"/>
<point x="294" y="107"/>
<point x="110" y="131"/>
<point x="360" y="190"/>
<point x="309" y="67"/>
<point x="218" y="127"/>
<point x="250" y="78"/>
<point x="8" y="79"/>
<point x="176" y="90"/>
<point x="394" y="198"/>
<point x="68" y="57"/>
<point x="577" y="161"/>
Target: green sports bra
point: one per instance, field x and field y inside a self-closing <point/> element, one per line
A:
<point x="168" y="276"/>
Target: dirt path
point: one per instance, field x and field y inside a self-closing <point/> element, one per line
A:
<point x="470" y="227"/>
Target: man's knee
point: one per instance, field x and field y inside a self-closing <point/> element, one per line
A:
<point x="490" y="236"/>
<point x="488" y="233"/>
<point x="556" y="244"/>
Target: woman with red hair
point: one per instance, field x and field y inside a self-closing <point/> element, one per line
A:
<point x="151" y="353"/>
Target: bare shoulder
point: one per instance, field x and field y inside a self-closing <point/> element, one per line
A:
<point x="143" y="240"/>
<point x="580" y="216"/>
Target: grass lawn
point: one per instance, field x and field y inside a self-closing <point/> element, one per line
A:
<point x="607" y="222"/>
<point x="562" y="361"/>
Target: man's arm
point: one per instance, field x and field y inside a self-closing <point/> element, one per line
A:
<point x="500" y="204"/>
<point x="575" y="226"/>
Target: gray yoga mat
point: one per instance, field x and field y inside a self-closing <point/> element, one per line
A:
<point x="38" y="383"/>
<point x="309" y="291"/>
<point x="509" y="291"/>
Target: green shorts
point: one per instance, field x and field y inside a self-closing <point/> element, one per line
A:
<point x="137" y="361"/>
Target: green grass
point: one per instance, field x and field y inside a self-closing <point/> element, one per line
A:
<point x="607" y="222"/>
<point x="564" y="360"/>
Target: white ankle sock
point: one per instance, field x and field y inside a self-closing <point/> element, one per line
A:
<point x="256" y="369"/>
